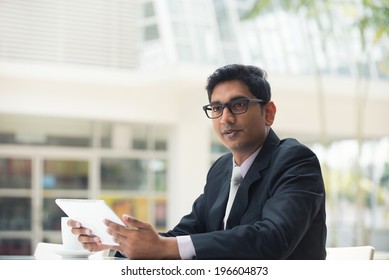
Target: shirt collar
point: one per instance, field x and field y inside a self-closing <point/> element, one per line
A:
<point x="244" y="167"/>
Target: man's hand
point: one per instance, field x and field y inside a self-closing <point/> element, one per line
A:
<point x="90" y="242"/>
<point x="139" y="240"/>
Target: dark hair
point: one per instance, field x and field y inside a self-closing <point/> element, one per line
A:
<point x="254" y="77"/>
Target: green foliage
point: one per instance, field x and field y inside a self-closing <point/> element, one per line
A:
<point x="376" y="17"/>
<point x="385" y="177"/>
<point x="258" y="8"/>
<point x="375" y="14"/>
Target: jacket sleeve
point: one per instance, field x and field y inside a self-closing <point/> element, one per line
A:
<point x="289" y="214"/>
<point x="191" y="223"/>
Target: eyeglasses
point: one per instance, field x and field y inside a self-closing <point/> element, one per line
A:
<point x="236" y="107"/>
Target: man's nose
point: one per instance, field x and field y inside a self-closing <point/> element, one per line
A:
<point x="227" y="116"/>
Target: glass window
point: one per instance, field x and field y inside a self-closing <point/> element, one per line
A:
<point x="200" y="11"/>
<point x="161" y="134"/>
<point x="134" y="184"/>
<point x="231" y="54"/>
<point x="184" y="52"/>
<point x="217" y="147"/>
<point x="134" y="136"/>
<point x="176" y="7"/>
<point x="160" y="213"/>
<point x="18" y="247"/>
<point x="15" y="213"/>
<point x="105" y="136"/>
<point x="148" y="9"/>
<point x="160" y="145"/>
<point x="158" y="168"/>
<point x="51" y="215"/>
<point x="134" y="206"/>
<point x="35" y="130"/>
<point x="207" y="48"/>
<point x="150" y="32"/>
<point x="123" y="174"/>
<point x="225" y="25"/>
<point x="65" y="174"/>
<point x="180" y="29"/>
<point x="15" y="173"/>
<point x="140" y="136"/>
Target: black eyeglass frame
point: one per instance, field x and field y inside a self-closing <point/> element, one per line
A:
<point x="207" y="107"/>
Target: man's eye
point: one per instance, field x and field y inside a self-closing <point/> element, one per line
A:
<point x="239" y="105"/>
<point x="216" y="108"/>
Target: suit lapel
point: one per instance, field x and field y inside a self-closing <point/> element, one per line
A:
<point x="218" y="209"/>
<point x="242" y="199"/>
<point x="254" y="173"/>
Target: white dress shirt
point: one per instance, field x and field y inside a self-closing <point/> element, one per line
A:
<point x="184" y="242"/>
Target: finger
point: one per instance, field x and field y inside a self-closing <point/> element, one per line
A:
<point x="87" y="239"/>
<point x="95" y="248"/>
<point x="112" y="225"/>
<point x="73" y="223"/>
<point x="134" y="223"/>
<point x="82" y="231"/>
<point x="77" y="229"/>
<point x="118" y="238"/>
<point x="116" y="248"/>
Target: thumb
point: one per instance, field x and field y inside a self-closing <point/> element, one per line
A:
<point x="134" y="223"/>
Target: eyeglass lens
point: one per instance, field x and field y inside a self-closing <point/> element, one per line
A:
<point x="236" y="107"/>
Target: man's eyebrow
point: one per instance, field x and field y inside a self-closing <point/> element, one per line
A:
<point x="239" y="97"/>
<point x="232" y="99"/>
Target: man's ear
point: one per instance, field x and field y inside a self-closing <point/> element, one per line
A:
<point x="270" y="113"/>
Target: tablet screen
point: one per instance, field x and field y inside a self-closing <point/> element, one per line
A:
<point x="91" y="214"/>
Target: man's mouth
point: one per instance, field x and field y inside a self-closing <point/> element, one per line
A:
<point x="230" y="133"/>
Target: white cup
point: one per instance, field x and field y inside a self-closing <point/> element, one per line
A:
<point x="69" y="239"/>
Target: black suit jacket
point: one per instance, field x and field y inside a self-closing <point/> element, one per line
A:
<point x="278" y="212"/>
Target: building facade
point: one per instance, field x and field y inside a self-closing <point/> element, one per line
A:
<point x="102" y="99"/>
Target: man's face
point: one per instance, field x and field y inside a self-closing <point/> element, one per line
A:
<point x="241" y="134"/>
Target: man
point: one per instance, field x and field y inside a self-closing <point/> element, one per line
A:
<point x="278" y="211"/>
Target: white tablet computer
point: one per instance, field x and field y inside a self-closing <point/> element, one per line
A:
<point x="91" y="214"/>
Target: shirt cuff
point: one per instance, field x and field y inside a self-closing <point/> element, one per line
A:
<point x="185" y="247"/>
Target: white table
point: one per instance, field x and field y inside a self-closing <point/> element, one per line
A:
<point x="51" y="251"/>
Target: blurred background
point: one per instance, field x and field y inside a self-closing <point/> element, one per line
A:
<point x="102" y="99"/>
